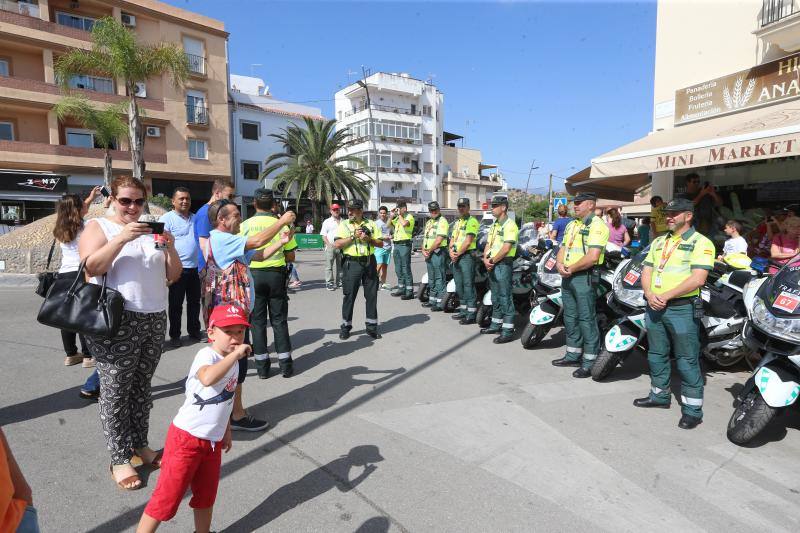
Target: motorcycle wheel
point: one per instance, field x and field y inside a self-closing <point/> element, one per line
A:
<point x="724" y="362"/>
<point x="423" y="292"/>
<point x="605" y="363"/>
<point x="532" y="335"/>
<point x="484" y="316"/>
<point x="451" y="303"/>
<point x="749" y="418"/>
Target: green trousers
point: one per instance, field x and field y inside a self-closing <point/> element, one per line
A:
<point x="464" y="276"/>
<point x="578" y="296"/>
<point x="355" y="273"/>
<point x="676" y="327"/>
<point x="502" y="302"/>
<point x="402" y="267"/>
<point x="437" y="277"/>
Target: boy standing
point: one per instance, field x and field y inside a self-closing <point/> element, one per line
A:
<point x="735" y="244"/>
<point x="201" y="429"/>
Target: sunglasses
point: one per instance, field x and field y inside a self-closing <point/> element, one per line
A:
<point x="125" y="202"/>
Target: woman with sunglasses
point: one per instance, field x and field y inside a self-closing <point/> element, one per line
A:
<point x="123" y="249"/>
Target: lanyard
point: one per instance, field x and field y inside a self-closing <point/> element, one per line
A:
<point x="573" y="235"/>
<point x="432" y="225"/>
<point x="457" y="232"/>
<point x="666" y="255"/>
<point x="495" y="230"/>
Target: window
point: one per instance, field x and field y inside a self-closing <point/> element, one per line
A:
<point x="195" y="54"/>
<point x="196" y="111"/>
<point x="80" y="138"/>
<point x="6" y="131"/>
<point x="5" y="69"/>
<point x="462" y="191"/>
<point x="426" y="110"/>
<point x="427" y="166"/>
<point x="250" y="130"/>
<point x="75" y="21"/>
<point x="198" y="149"/>
<point x="251" y="170"/>
<point x="92" y="83"/>
<point x="427" y="138"/>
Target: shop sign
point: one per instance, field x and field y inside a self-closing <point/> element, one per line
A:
<point x="731" y="153"/>
<point x="31" y="182"/>
<point x="770" y="83"/>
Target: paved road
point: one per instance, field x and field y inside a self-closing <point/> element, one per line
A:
<point x="432" y="428"/>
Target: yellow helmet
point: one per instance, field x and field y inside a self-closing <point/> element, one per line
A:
<point x="739" y="261"/>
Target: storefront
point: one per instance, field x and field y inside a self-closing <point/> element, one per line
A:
<point x="28" y="196"/>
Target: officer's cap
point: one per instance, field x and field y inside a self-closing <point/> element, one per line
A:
<point x="401" y="203"/>
<point x="433" y="206"/>
<point x="499" y="199"/>
<point x="463" y="202"/>
<point x="581" y="197"/>
<point x="678" y="205"/>
<point x="356" y="204"/>
<point x="263" y="194"/>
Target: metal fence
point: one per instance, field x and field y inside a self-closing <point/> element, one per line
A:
<point x="774" y="10"/>
<point x="197" y="64"/>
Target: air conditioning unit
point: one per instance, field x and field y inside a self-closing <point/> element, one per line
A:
<point x="141" y="90"/>
<point x="153" y="131"/>
<point x="128" y="20"/>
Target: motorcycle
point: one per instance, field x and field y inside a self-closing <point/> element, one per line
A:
<point x="773" y="328"/>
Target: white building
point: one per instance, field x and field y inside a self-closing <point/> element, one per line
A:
<point x="404" y="145"/>
<point x="255" y="114"/>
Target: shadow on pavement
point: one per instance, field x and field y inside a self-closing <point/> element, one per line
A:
<point x="335" y="474"/>
<point x="376" y="524"/>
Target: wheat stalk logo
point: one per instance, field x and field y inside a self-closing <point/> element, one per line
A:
<point x="738" y="99"/>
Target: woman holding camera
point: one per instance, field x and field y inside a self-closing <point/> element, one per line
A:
<point x="123" y="249"/>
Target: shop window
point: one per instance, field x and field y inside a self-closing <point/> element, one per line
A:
<point x="198" y="149"/>
<point x="251" y="170"/>
<point x="75" y="21"/>
<point x="6" y="131"/>
<point x="5" y="70"/>
<point x="250" y="130"/>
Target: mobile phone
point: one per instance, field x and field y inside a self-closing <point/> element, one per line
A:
<point x="104" y="191"/>
<point x="157" y="227"/>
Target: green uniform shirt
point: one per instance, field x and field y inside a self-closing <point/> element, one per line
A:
<point x="435" y="227"/>
<point x="347" y="229"/>
<point x="499" y="234"/>
<point x="403" y="233"/>
<point x="673" y="257"/>
<point x="581" y="235"/>
<point x="461" y="228"/>
<point x="258" y="223"/>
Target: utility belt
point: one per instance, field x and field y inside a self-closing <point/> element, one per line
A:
<point x="593" y="273"/>
<point x="406" y="242"/>
<point x="361" y="259"/>
<point x="695" y="301"/>
<point x="281" y="268"/>
<point x="505" y="261"/>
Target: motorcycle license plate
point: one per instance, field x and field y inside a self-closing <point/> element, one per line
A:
<point x="632" y="277"/>
<point x="550" y="264"/>
<point x="786" y="301"/>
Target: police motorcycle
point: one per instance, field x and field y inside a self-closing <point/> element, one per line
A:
<point x="723" y="314"/>
<point x="773" y="328"/>
<point x="547" y="307"/>
<point x="451" y="302"/>
<point x="523" y="277"/>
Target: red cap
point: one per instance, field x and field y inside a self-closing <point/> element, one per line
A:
<point x="228" y="315"/>
<point x="335" y="206"/>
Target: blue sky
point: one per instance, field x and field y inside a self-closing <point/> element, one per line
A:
<point x="559" y="82"/>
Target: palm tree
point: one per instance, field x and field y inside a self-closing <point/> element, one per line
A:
<point x="309" y="160"/>
<point x="107" y="124"/>
<point x="116" y="54"/>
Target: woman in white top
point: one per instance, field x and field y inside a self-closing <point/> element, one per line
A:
<point x="123" y="249"/>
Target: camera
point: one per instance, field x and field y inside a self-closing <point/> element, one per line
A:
<point x="366" y="230"/>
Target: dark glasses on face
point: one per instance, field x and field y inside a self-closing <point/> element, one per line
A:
<point x="125" y="202"/>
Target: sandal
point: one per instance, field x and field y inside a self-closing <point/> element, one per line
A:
<point x="91" y="395"/>
<point x="130" y="480"/>
<point x="155" y="463"/>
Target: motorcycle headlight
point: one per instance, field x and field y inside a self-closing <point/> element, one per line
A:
<point x="786" y="328"/>
<point x="630" y="297"/>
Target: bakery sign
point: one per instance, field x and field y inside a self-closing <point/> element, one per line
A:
<point x="770" y="83"/>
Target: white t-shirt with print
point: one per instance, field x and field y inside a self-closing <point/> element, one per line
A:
<point x="206" y="411"/>
<point x="735" y="245"/>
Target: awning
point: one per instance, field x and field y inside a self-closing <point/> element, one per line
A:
<point x="620" y="188"/>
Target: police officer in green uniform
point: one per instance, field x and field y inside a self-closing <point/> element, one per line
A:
<point x="462" y="243"/>
<point x="269" y="283"/>
<point x="582" y="249"/>
<point x="674" y="270"/>
<point x="357" y="238"/>
<point x="402" y="223"/>
<point x="434" y="250"/>
<point x="501" y="248"/>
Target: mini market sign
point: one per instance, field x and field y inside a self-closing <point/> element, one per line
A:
<point x="770" y="83"/>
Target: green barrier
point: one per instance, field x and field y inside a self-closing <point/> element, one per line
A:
<point x="309" y="241"/>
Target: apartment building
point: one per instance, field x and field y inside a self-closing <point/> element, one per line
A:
<point x="725" y="105"/>
<point x="256" y="115"/>
<point x="187" y="136"/>
<point x="465" y="175"/>
<point x="398" y="136"/>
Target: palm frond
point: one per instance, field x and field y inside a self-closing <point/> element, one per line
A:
<point x="107" y="124"/>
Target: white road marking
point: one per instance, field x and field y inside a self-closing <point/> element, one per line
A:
<point x="780" y="466"/>
<point x="585" y="388"/>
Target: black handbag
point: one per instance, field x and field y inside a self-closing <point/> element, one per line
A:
<point x="46" y="278"/>
<point x="75" y="305"/>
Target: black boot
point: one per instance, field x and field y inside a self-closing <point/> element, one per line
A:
<point x="689" y="422"/>
<point x="262" y="367"/>
<point x="344" y="332"/>
<point x="565" y="362"/>
<point x="287" y="367"/>
<point x="373" y="333"/>
<point x="648" y="402"/>
<point x="407" y="296"/>
<point x="490" y="331"/>
<point x="468" y="320"/>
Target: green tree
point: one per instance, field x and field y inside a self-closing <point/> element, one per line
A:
<point x="107" y="124"/>
<point x="536" y="211"/>
<point x="116" y="54"/>
<point x="309" y="161"/>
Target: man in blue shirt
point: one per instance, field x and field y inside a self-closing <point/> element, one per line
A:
<point x="181" y="223"/>
<point x="560" y="224"/>
<point x="221" y="189"/>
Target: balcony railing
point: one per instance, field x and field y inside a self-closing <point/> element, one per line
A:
<point x="197" y="64"/>
<point x="196" y="114"/>
<point x="387" y="108"/>
<point x="773" y="11"/>
<point x="39" y="150"/>
<point x="383" y="138"/>
<point x="23" y="8"/>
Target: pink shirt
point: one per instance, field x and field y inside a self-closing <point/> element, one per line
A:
<point x="786" y="245"/>
<point x="617" y="235"/>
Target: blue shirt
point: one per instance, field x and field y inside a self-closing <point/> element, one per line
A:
<point x="186" y="243"/>
<point x="227" y="248"/>
<point x="202" y="228"/>
<point x="560" y="224"/>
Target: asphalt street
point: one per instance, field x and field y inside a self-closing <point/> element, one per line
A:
<point x="431" y="428"/>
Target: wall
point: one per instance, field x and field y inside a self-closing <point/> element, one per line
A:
<point x="24" y="64"/>
<point x="29" y="126"/>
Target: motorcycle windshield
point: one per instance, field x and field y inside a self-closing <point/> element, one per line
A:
<point x="631" y="274"/>
<point x="781" y="294"/>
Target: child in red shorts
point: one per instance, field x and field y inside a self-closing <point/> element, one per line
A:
<point x="201" y="429"/>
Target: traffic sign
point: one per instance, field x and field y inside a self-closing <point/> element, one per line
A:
<point x="562" y="200"/>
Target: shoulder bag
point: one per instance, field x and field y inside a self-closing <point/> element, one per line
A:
<point x="75" y="305"/>
<point x="47" y="277"/>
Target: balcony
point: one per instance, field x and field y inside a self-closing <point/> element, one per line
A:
<point x="386" y="108"/>
<point x="196" y="115"/>
<point x="22" y="8"/>
<point x="780" y="24"/>
<point x="28" y="26"/>
<point x="383" y="138"/>
<point x="471" y="179"/>
<point x="197" y="64"/>
<point x="52" y="154"/>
